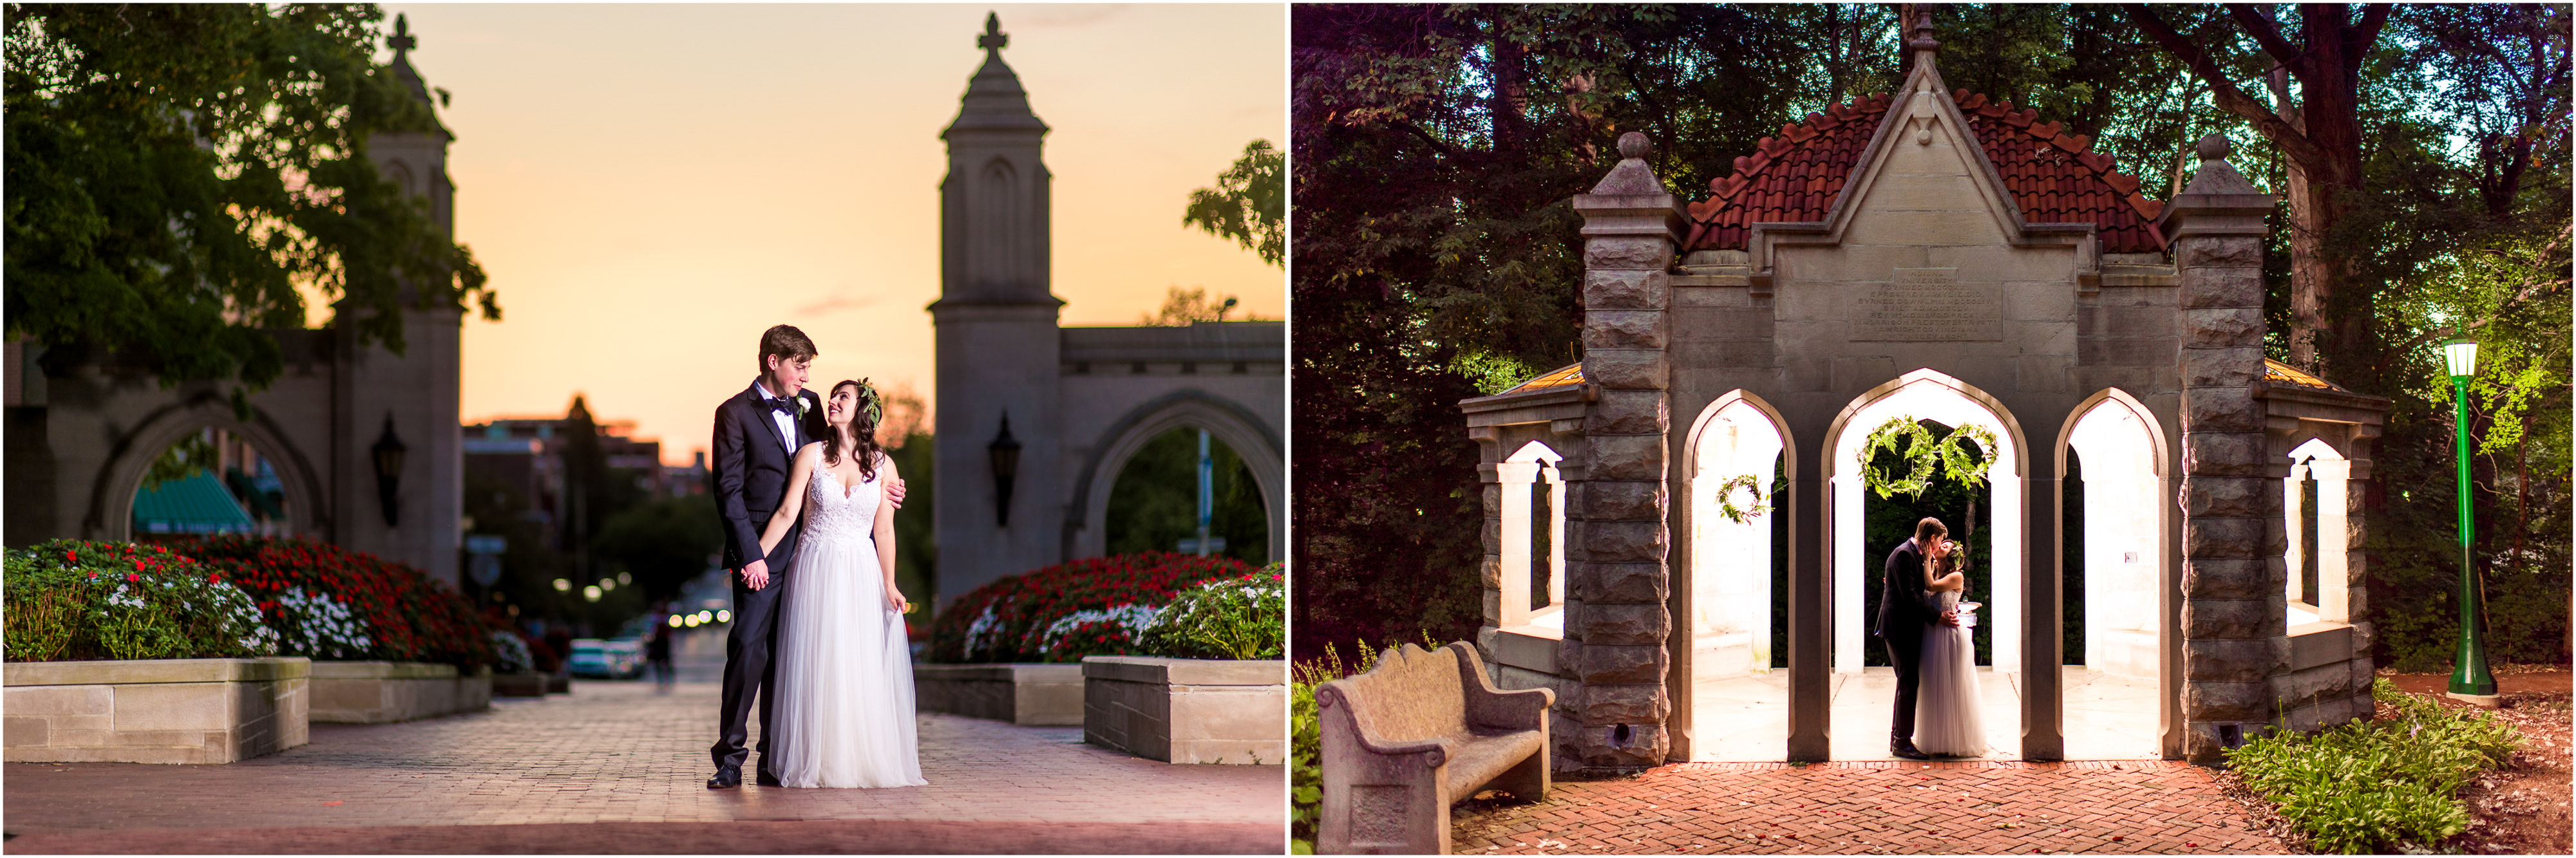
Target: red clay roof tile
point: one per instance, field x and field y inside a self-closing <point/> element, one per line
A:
<point x="2053" y="177"/>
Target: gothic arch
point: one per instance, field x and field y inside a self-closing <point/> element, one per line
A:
<point x="1256" y="443"/>
<point x="121" y="478"/>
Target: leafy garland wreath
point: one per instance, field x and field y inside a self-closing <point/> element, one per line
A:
<point x="1726" y="499"/>
<point x="1922" y="456"/>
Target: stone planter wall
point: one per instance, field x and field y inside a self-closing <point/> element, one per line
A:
<point x="377" y="692"/>
<point x="192" y="710"/>
<point x="1030" y="695"/>
<point x="1186" y="710"/>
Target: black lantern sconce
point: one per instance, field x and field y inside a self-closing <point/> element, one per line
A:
<point x="389" y="461"/>
<point x="1005" y="453"/>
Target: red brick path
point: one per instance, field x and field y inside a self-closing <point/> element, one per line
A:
<point x="1874" y="808"/>
<point x="633" y="763"/>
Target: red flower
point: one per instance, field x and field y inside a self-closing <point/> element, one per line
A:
<point x="134" y="577"/>
<point x="71" y="557"/>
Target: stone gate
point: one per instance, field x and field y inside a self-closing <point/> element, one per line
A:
<point x="1942" y="255"/>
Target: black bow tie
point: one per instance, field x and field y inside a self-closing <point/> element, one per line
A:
<point x="783" y="406"/>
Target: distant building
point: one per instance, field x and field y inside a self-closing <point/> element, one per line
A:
<point x="525" y="456"/>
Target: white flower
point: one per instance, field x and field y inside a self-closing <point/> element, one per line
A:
<point x="1136" y="619"/>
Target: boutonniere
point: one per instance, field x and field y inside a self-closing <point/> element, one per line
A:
<point x="803" y="406"/>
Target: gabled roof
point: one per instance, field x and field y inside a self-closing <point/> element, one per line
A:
<point x="1568" y="375"/>
<point x="2053" y="176"/>
<point x="2277" y="372"/>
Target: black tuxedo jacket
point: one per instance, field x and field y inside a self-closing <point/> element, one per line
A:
<point x="751" y="467"/>
<point x="1905" y="603"/>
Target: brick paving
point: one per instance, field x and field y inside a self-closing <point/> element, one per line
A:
<point x="632" y="761"/>
<point x="1972" y="807"/>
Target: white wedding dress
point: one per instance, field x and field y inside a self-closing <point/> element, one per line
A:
<point x="1949" y="720"/>
<point x="845" y="713"/>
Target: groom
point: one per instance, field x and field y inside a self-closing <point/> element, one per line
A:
<point x="758" y="432"/>
<point x="1905" y="609"/>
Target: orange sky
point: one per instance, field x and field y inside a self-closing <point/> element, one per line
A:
<point x="650" y="186"/>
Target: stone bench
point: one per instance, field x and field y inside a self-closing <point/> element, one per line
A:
<point x="378" y="692"/>
<point x="1423" y="730"/>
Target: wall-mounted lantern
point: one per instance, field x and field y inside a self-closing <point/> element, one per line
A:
<point x="1005" y="453"/>
<point x="389" y="461"/>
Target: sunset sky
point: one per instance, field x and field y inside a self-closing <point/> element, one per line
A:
<point x="650" y="187"/>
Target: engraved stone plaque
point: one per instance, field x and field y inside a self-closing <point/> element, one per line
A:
<point x="1928" y="305"/>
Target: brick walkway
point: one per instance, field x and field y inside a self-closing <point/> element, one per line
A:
<point x="2128" y="806"/>
<point x="632" y="762"/>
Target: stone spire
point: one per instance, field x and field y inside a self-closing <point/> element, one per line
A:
<point x="402" y="42"/>
<point x="994" y="99"/>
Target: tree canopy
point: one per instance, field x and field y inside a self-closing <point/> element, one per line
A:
<point x="1437" y="149"/>
<point x="176" y="172"/>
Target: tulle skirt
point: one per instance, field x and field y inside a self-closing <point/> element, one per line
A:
<point x="845" y="704"/>
<point x="1949" y="719"/>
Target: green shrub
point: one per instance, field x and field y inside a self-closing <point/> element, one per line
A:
<point x="1306" y="738"/>
<point x="2374" y="786"/>
<point x="1241" y="618"/>
<point x="73" y="600"/>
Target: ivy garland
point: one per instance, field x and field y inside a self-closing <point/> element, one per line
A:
<point x="1726" y="499"/>
<point x="1923" y="456"/>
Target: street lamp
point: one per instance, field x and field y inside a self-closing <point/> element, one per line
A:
<point x="388" y="456"/>
<point x="2470" y="680"/>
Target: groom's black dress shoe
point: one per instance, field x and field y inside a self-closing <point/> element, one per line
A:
<point x="1904" y="748"/>
<point x="725" y="779"/>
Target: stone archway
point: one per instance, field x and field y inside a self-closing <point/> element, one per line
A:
<point x="1086" y="532"/>
<point x="1732" y="706"/>
<point x="2119" y="704"/>
<point x="121" y="477"/>
<point x="1924" y="394"/>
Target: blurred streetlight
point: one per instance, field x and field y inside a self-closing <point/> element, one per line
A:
<point x="724" y="616"/>
<point x="675" y="621"/>
<point x="2470" y="679"/>
<point x="563" y="585"/>
<point x="590" y="594"/>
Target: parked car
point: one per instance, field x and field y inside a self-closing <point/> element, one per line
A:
<point x="610" y="659"/>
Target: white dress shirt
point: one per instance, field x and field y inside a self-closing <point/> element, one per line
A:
<point x="785" y="422"/>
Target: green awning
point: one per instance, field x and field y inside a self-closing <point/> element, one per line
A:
<point x="196" y="504"/>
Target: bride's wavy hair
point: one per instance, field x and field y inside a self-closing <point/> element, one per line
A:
<point x="862" y="424"/>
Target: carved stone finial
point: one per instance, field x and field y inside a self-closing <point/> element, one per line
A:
<point x="993" y="39"/>
<point x="402" y="40"/>
<point x="2214" y="147"/>
<point x="1635" y="144"/>
<point x="1923" y="46"/>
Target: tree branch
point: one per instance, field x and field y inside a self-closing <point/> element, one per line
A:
<point x="2532" y="287"/>
<point x="2252" y="22"/>
<point x="2223" y="91"/>
<point x="2374" y="16"/>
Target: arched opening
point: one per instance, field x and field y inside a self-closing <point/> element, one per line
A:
<point x="2114" y="563"/>
<point x="1228" y="424"/>
<point x="1864" y="693"/>
<point x="209" y="481"/>
<point x="2315" y="516"/>
<point x="1736" y="619"/>
<point x="1181" y="481"/>
<point x="1533" y="530"/>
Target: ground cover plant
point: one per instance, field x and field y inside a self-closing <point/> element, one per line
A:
<point x="1239" y="618"/>
<point x="2377" y="786"/>
<point x="76" y="600"/>
<point x="375" y="609"/>
<point x="1092" y="606"/>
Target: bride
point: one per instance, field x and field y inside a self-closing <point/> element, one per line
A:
<point x="1948" y="720"/>
<point x="845" y="715"/>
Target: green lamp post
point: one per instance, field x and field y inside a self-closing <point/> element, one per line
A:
<point x="2470" y="679"/>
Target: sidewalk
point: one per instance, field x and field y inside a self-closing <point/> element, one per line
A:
<point x="620" y="767"/>
<point x="1874" y="808"/>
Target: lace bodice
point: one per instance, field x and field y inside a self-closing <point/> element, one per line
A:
<point x="829" y="514"/>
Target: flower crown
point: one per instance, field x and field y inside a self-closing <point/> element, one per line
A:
<point x="871" y="403"/>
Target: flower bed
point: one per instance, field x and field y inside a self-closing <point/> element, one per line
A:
<point x="2377" y="786"/>
<point x="332" y="603"/>
<point x="1093" y="606"/>
<point x="1228" y="618"/>
<point x="71" y="600"/>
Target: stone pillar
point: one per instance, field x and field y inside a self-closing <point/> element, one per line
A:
<point x="2356" y="571"/>
<point x="2233" y="534"/>
<point x="1616" y="622"/>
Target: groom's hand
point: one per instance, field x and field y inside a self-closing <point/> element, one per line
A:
<point x="894" y="493"/>
<point x="1949" y="616"/>
<point x="756" y="575"/>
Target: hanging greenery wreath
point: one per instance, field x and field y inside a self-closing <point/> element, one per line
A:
<point x="1919" y="454"/>
<point x="1923" y="456"/>
<point x="1726" y="499"/>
